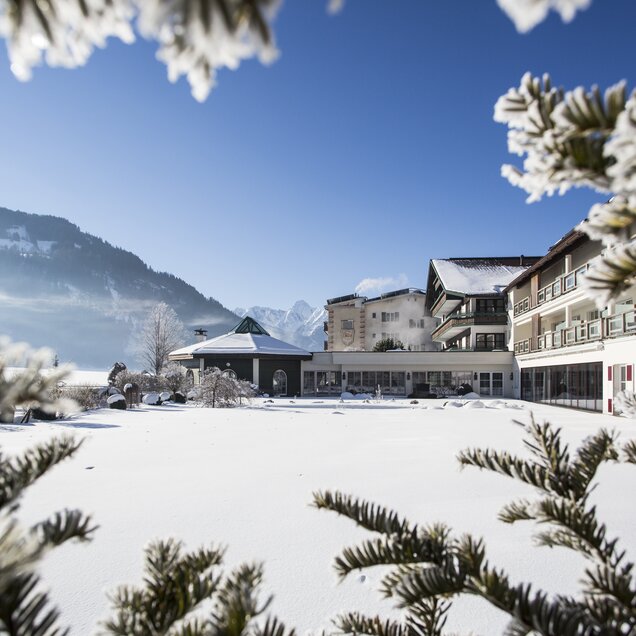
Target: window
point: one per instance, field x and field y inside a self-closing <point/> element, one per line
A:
<point x="491" y="305"/>
<point x="373" y="315"/>
<point x="347" y="324"/>
<point x="390" y="316"/>
<point x="490" y="341"/>
<point x="416" y="324"/>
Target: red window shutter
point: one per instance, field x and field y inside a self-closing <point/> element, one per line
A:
<point x="629" y="372"/>
<point x="609" y="405"/>
<point x="609" y="373"/>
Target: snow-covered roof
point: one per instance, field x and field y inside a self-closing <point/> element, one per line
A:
<point x="473" y="276"/>
<point x="247" y="338"/>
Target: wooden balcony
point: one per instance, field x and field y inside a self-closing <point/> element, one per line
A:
<point x="456" y="323"/>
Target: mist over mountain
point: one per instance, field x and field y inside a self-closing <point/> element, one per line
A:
<point x="83" y="297"/>
<point x="301" y="325"/>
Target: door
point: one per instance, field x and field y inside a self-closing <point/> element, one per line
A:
<point x="279" y="382"/>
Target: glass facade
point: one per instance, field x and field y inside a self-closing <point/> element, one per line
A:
<point x="441" y="382"/>
<point x="578" y="386"/>
<point x="322" y="383"/>
<point x="390" y="382"/>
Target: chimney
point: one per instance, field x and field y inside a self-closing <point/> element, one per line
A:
<point x="521" y="260"/>
<point x="201" y="334"/>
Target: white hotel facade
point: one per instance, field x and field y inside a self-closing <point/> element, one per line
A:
<point x="518" y="327"/>
<point x="567" y="351"/>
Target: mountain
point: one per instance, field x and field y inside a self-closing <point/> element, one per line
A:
<point x="83" y="297"/>
<point x="301" y="325"/>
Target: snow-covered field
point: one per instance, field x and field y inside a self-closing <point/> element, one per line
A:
<point x="244" y="478"/>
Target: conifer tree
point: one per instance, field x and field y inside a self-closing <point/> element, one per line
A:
<point x="431" y="566"/>
<point x="175" y="586"/>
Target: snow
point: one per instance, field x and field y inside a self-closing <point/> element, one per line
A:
<point x="466" y="276"/>
<point x="45" y="246"/>
<point x="244" y="478"/>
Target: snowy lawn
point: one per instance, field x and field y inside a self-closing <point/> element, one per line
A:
<point x="244" y="477"/>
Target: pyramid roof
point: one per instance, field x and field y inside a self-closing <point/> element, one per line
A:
<point x="247" y="339"/>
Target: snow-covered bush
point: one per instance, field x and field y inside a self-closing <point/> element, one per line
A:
<point x="151" y="398"/>
<point x="86" y="397"/>
<point x="219" y="389"/>
<point x="117" y="401"/>
<point x="144" y="381"/>
<point x="175" y="378"/>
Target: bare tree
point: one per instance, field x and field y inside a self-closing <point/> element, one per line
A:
<point x="161" y="333"/>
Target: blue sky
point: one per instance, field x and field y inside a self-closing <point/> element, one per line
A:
<point x="365" y="150"/>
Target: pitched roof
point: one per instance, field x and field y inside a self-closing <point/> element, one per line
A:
<point x="248" y="338"/>
<point x="479" y="276"/>
<point x="565" y="244"/>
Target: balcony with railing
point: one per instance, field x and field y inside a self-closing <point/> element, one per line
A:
<point x="612" y="327"/>
<point x="456" y="323"/>
<point x="562" y="285"/>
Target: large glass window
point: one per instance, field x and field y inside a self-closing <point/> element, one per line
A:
<point x="575" y="385"/>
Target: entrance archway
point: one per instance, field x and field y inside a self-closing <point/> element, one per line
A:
<point x="279" y="382"/>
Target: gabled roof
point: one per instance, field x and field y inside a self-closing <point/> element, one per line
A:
<point x="247" y="339"/>
<point x="479" y="276"/>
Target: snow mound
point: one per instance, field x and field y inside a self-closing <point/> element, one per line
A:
<point x="471" y="396"/>
<point x="475" y="404"/>
<point x="346" y="395"/>
<point x="454" y="404"/>
<point x="151" y="398"/>
<point x="115" y="398"/>
<point x="164" y="396"/>
<point x="337" y="413"/>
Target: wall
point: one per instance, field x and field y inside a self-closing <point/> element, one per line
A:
<point x="266" y="368"/>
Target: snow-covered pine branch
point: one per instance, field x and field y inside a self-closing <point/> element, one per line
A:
<point x="195" y="38"/>
<point x="526" y="14"/>
<point x="579" y="138"/>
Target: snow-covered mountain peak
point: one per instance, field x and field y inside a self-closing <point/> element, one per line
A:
<point x="300" y="325"/>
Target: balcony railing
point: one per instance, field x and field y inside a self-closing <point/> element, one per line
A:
<point x="470" y="319"/>
<point x="560" y="286"/>
<point x="612" y="327"/>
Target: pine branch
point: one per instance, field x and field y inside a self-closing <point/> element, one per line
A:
<point x="629" y="451"/>
<point x="356" y="623"/>
<point x="19" y="473"/>
<point x="66" y="525"/>
<point x="273" y="627"/>
<point x="612" y="595"/>
<point x="365" y="514"/>
<point x="506" y="464"/>
<point x="594" y="450"/>
<point x="520" y="510"/>
<point x="26" y="611"/>
<point x="237" y="601"/>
